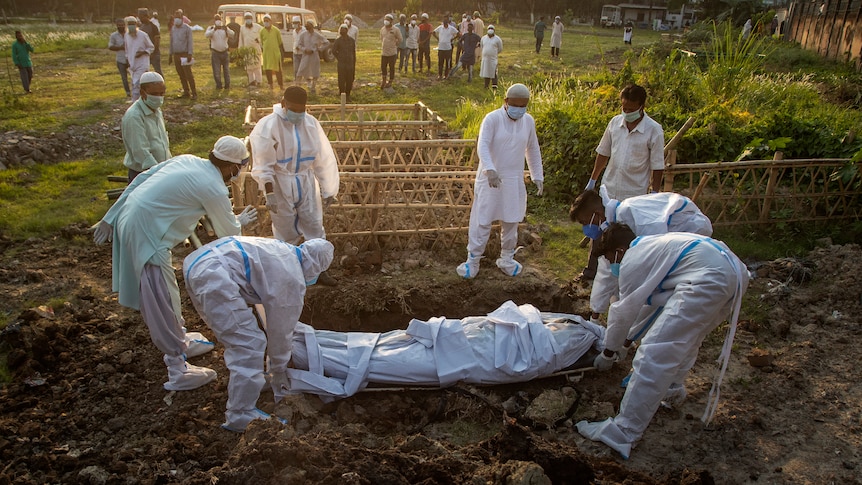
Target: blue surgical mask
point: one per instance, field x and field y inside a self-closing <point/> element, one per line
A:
<point x="516" y="112"/>
<point x="154" y="102"/>
<point x="293" y="117"/>
<point x="592" y="231"/>
<point x="633" y="116"/>
<point x="615" y="269"/>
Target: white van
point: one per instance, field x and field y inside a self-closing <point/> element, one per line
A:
<point x="281" y="18"/>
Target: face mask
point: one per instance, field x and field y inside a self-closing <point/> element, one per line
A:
<point x="516" y="112"/>
<point x="633" y="116"/>
<point x="413" y="23"/>
<point x="218" y="23"/>
<point x="615" y="269"/>
<point x="387" y="23"/>
<point x="178" y="22"/>
<point x="154" y="102"/>
<point x="248" y="22"/>
<point x="592" y="231"/>
<point x="491" y="33"/>
<point x="266" y="23"/>
<point x="133" y="29"/>
<point x="293" y="117"/>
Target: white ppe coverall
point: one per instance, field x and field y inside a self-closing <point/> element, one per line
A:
<point x="502" y="146"/>
<point x="300" y="163"/>
<point x="157" y="211"/>
<point x="692" y="283"/>
<point x="227" y="275"/>
<point x="646" y="215"/>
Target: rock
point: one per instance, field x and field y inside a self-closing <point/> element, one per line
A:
<point x="550" y="407"/>
<point x="38" y="155"/>
<point x="823" y="242"/>
<point x="94" y="475"/>
<point x="760" y="358"/>
<point x="511" y="405"/>
<point x="411" y="264"/>
<point x="2" y="166"/>
<point x="525" y="473"/>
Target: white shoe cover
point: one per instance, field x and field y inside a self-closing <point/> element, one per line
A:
<point x="185" y="377"/>
<point x="238" y="421"/>
<point x="280" y="385"/>
<point x="470" y="268"/>
<point x="608" y="433"/>
<point x="197" y="344"/>
<point x="675" y="396"/>
<point x="507" y="264"/>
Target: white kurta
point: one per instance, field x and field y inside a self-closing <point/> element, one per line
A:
<point x="157" y="211"/>
<point x="646" y="215"/>
<point x="250" y="37"/>
<point x="502" y="146"/>
<point x="140" y="42"/>
<point x="556" y="34"/>
<point x="300" y="163"/>
<point x="633" y="155"/>
<point x="309" y="66"/>
<point x="491" y="49"/>
<point x="223" y="278"/>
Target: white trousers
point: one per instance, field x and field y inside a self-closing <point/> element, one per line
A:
<point x="136" y="80"/>
<point x="158" y="312"/>
<point x="479" y="233"/>
<point x="255" y="75"/>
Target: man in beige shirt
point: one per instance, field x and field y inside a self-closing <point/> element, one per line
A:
<point x="390" y="38"/>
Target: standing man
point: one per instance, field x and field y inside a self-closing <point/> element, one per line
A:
<point x="152" y="30"/>
<point x="478" y="23"/>
<point x="295" y="167"/>
<point x="556" y="37"/>
<point x="310" y="42"/>
<point x="632" y="149"/>
<point x="297" y="52"/>
<point x="468" y="42"/>
<point x="156" y="212"/>
<point x="117" y="43"/>
<point x="233" y="43"/>
<point x="445" y="34"/>
<point x="229" y="275"/>
<point x="691" y="284"/>
<point x="539" y="33"/>
<point x="220" y="38"/>
<point x="249" y="36"/>
<point x="412" y="42"/>
<point x="425" y="30"/>
<point x="627" y="33"/>
<point x="144" y="133"/>
<point x="390" y="39"/>
<point x="507" y="136"/>
<point x="352" y="29"/>
<point x="138" y="48"/>
<point x="402" y="47"/>
<point x="21" y="50"/>
<point x="462" y="31"/>
<point x="344" y="50"/>
<point x="491" y="46"/>
<point x="182" y="54"/>
<point x="273" y="51"/>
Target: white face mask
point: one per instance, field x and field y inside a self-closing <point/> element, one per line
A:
<point x="413" y="23"/>
<point x="387" y="23"/>
<point x="218" y="23"/>
<point x="490" y="32"/>
<point x="267" y="23"/>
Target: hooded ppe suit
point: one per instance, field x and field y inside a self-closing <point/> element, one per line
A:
<point x="223" y="278"/>
<point x="300" y="163"/>
<point x="691" y="284"/>
<point x="646" y="215"/>
<point x="157" y="211"/>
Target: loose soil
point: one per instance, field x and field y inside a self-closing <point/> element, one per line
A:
<point x="84" y="402"/>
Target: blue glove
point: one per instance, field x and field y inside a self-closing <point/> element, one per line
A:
<point x="591" y="185"/>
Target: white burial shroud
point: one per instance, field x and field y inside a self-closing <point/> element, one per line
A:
<point x="511" y="344"/>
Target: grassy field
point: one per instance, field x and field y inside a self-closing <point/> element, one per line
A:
<point x="76" y="84"/>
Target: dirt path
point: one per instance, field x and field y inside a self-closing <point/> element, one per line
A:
<point x="85" y="403"/>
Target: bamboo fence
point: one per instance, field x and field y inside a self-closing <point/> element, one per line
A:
<point x="760" y="192"/>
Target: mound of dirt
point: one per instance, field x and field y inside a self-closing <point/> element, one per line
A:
<point x="85" y="403"/>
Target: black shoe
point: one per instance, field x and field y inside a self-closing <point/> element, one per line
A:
<point x="326" y="280"/>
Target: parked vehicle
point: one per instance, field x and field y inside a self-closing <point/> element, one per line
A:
<point x="281" y="18"/>
<point x="611" y="16"/>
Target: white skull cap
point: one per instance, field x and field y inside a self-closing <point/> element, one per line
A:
<point x="518" y="90"/>
<point x="248" y="15"/>
<point x="491" y="27"/>
<point x="348" y="17"/>
<point x="151" y="77"/>
<point x="230" y="149"/>
<point x="296" y="18"/>
<point x="424" y="15"/>
<point x="388" y="16"/>
<point x="130" y="19"/>
<point x="267" y="17"/>
<point x="317" y="255"/>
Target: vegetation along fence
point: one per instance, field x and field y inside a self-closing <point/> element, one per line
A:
<point x="769" y="191"/>
<point x="833" y="28"/>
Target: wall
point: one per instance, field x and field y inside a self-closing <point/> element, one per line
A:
<point x="832" y="28"/>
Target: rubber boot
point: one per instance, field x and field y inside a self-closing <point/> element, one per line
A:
<point x="183" y="376"/>
<point x="507" y="264"/>
<point x="470" y="268"/>
<point x="197" y="344"/>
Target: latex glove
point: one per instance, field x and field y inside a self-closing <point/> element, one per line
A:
<point x="247" y="216"/>
<point x="271" y="203"/>
<point x="493" y="178"/>
<point x="102" y="233"/>
<point x="621" y="355"/>
<point x="540" y="187"/>
<point x="602" y="362"/>
<point x="328" y="202"/>
<point x="591" y="185"/>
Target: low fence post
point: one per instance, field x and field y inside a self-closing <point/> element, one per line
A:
<point x="770" y="188"/>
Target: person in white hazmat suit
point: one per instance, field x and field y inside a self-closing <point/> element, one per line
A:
<point x="227" y="275"/>
<point x="295" y="167"/>
<point x="646" y="215"/>
<point x="157" y="211"/>
<point x="506" y="137"/>
<point x="689" y="284"/>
